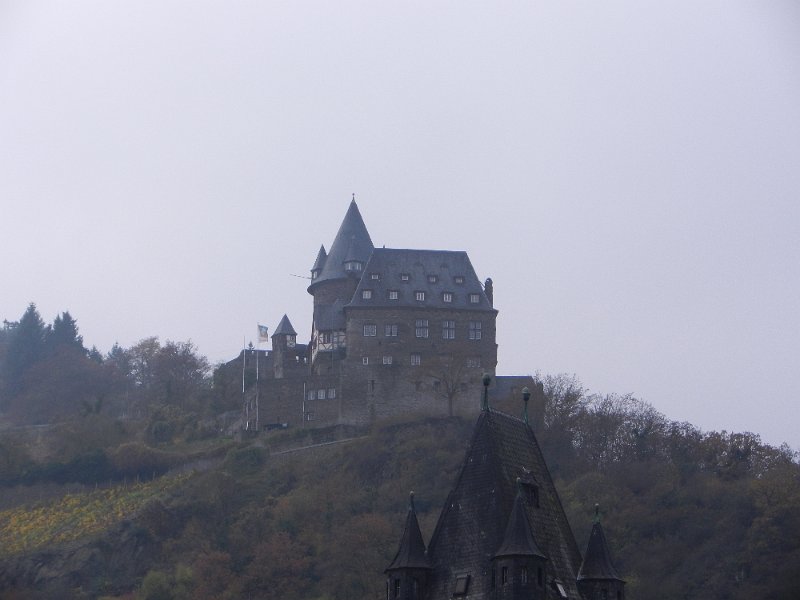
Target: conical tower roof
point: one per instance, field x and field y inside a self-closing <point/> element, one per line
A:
<point x="284" y="327"/>
<point x="411" y="554"/>
<point x="352" y="242"/>
<point x="597" y="561"/>
<point x="321" y="258"/>
<point x="518" y="540"/>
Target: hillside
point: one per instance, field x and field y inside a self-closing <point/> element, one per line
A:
<point x="323" y="522"/>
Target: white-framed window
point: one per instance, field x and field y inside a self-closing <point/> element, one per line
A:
<point x="420" y="296"/>
<point x="394" y="294"/>
<point x="365" y="360"/>
<point x="370" y="330"/>
<point x="325" y="337"/>
<point x="416" y="359"/>
<point x="390" y="330"/>
<point x="447" y="297"/>
<point x="353" y="265"/>
<point x="421" y="328"/>
<point x="473" y="362"/>
<point x="321" y="394"/>
<point x="366" y="294"/>
<point x="387" y="360"/>
<point x="474" y="330"/>
<point x="459" y="279"/>
<point x="375" y="276"/>
<point x="474" y="298"/>
<point x="312" y="394"/>
<point x="448" y="330"/>
<point x="331" y="393"/>
<point x="404" y="276"/>
<point x="433" y="278"/>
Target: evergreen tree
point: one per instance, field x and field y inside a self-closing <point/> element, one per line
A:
<point x="26" y="347"/>
<point x="64" y="334"/>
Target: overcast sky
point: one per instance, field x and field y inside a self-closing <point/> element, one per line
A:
<point x="628" y="173"/>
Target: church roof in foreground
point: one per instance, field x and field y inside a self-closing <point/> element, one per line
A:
<point x="474" y="522"/>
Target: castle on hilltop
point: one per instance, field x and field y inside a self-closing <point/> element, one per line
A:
<point x="392" y="331"/>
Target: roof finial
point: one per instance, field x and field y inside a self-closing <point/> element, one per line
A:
<point x="487" y="379"/>
<point x="597" y="513"/>
<point x="526" y="395"/>
<point x="354" y="196"/>
<point x="411" y="506"/>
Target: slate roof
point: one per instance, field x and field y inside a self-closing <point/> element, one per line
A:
<point x="329" y="317"/>
<point x="518" y="539"/>
<point x="597" y="562"/>
<point x="352" y="241"/>
<point x="411" y="554"/>
<point x="321" y="258"/>
<point x="284" y="327"/>
<point x="473" y="522"/>
<point x="390" y="264"/>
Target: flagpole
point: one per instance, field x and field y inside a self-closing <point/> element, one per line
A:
<point x="258" y="343"/>
<point x="244" y="401"/>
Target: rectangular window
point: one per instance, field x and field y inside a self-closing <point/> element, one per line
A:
<point x="459" y="279"/>
<point x="387" y="360"/>
<point x="421" y="330"/>
<point x="390" y="330"/>
<point x="331" y="393"/>
<point x="416" y="360"/>
<point x="447" y="297"/>
<point x="448" y="330"/>
<point x="312" y="394"/>
<point x="473" y="362"/>
<point x="321" y="394"/>
<point x="504" y="575"/>
<point x="474" y="298"/>
<point x="366" y="294"/>
<point x="474" y="330"/>
<point x="326" y="337"/>
<point x="523" y="576"/>
<point x="432" y="278"/>
<point x="404" y="277"/>
<point x="310" y="416"/>
<point x="375" y="276"/>
<point x="420" y="296"/>
<point x="393" y="294"/>
<point x="396" y="588"/>
<point x="370" y="330"/>
<point x="365" y="360"/>
<point x="462" y="583"/>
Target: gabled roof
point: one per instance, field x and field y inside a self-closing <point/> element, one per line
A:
<point x="284" y="327"/>
<point x="474" y="520"/>
<point x="597" y="562"/>
<point x="411" y="554"/>
<point x="352" y="242"/>
<point x="518" y="540"/>
<point x="433" y="272"/>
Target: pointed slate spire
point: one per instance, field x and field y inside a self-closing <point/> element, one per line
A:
<point x="284" y="327"/>
<point x="518" y="539"/>
<point x="319" y="264"/>
<point x="411" y="554"/>
<point x="352" y="242"/>
<point x="597" y="560"/>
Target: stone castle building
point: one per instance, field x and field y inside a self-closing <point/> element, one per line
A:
<point x="502" y="533"/>
<point x="392" y="330"/>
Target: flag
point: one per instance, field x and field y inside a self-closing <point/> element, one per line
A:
<point x="263" y="335"/>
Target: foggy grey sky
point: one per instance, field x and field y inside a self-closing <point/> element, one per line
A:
<point x="626" y="172"/>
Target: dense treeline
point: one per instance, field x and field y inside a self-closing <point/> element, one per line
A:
<point x="688" y="513"/>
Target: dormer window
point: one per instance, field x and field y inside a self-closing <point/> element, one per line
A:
<point x="459" y="279"/>
<point x="366" y="294"/>
<point x="404" y="276"/>
<point x="375" y="276"/>
<point x="353" y="265"/>
<point x="462" y="584"/>
<point x="419" y="296"/>
<point x="433" y="278"/>
<point x="474" y="298"/>
<point x="314" y="274"/>
<point x="447" y="297"/>
<point x="393" y="294"/>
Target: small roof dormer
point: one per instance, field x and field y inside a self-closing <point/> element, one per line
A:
<point x="518" y="539"/>
<point x="319" y="264"/>
<point x="412" y="553"/>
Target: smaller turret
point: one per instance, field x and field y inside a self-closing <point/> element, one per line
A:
<point x="488" y="287"/>
<point x="284" y="347"/>
<point x="319" y="264"/>
<point x="597" y="578"/>
<point x="519" y="566"/>
<point x="407" y="576"/>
